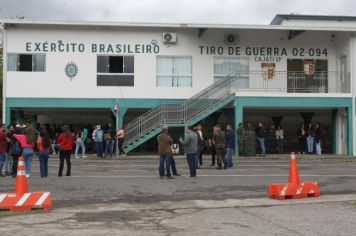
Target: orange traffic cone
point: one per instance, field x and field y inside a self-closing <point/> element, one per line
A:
<point x="21" y="180"/>
<point x="293" y="170"/>
<point x="294" y="188"/>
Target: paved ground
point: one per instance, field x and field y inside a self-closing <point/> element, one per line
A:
<point x="126" y="197"/>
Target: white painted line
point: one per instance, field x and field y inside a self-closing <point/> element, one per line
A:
<point x="156" y="176"/>
<point x="23" y="199"/>
<point x="2" y="197"/>
<point x="42" y="198"/>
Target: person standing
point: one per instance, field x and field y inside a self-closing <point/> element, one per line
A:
<point x="98" y="137"/>
<point x="200" y="149"/>
<point x="219" y="141"/>
<point x="280" y="139"/>
<point x="9" y="159"/>
<point x="43" y="144"/>
<point x="4" y="140"/>
<point x="212" y="150"/>
<point x="15" y="150"/>
<point x="317" y="139"/>
<point x="79" y="143"/>
<point x="165" y="152"/>
<point x="230" y="145"/>
<point x="66" y="141"/>
<point x="27" y="142"/>
<point x="109" y="140"/>
<point x="241" y="138"/>
<point x="301" y="139"/>
<point x="271" y="141"/>
<point x="310" y="138"/>
<point x="190" y="148"/>
<point x="120" y="141"/>
<point x="260" y="132"/>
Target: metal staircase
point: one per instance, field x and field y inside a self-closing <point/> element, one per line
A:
<point x="186" y="113"/>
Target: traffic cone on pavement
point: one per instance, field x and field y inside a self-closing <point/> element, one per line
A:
<point x="293" y="170"/>
<point x="21" y="180"/>
<point x="294" y="188"/>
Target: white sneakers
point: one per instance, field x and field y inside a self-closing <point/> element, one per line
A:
<point x="27" y="176"/>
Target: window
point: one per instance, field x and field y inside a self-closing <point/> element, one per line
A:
<point x="115" y="71"/>
<point x="26" y="62"/>
<point x="174" y="71"/>
<point x="225" y="66"/>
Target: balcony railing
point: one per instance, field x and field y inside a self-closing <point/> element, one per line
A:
<point x="294" y="82"/>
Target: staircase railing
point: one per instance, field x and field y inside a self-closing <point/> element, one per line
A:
<point x="179" y="113"/>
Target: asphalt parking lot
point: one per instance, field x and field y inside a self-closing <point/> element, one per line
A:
<point x="125" y="191"/>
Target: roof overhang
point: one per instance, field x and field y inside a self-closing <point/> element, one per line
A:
<point x="14" y="22"/>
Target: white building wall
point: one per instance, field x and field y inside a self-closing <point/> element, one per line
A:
<point x="54" y="83"/>
<point x="321" y="23"/>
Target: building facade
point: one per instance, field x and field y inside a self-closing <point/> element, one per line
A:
<point x="299" y="69"/>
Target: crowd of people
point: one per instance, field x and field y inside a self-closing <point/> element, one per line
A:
<point x="270" y="140"/>
<point x="25" y="140"/>
<point x="221" y="144"/>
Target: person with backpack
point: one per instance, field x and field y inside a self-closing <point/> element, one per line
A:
<point x="27" y="142"/>
<point x="43" y="144"/>
<point x="219" y="140"/>
<point x="15" y="150"/>
<point x="9" y="159"/>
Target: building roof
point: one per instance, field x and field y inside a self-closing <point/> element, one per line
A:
<point x="272" y="26"/>
<point x="278" y="19"/>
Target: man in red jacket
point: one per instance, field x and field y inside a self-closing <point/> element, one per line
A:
<point x="3" y="148"/>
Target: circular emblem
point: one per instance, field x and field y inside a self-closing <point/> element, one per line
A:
<point x="71" y="70"/>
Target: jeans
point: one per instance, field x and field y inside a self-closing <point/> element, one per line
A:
<point x="318" y="148"/>
<point x="43" y="156"/>
<point x="64" y="154"/>
<point x="262" y="146"/>
<point x="280" y="146"/>
<point x="55" y="148"/>
<point x="191" y="162"/>
<point x="310" y="144"/>
<point x="164" y="161"/>
<point x="8" y="164"/>
<point x="109" y="146"/>
<point x="99" y="149"/>
<point x="27" y="155"/>
<point x="173" y="165"/>
<point x="79" y="144"/>
<point x="2" y="160"/>
<point x="120" y="141"/>
<point x="229" y="152"/>
<point x="197" y="159"/>
<point x="14" y="164"/>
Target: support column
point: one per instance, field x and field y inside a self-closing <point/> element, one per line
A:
<point x="349" y="131"/>
<point x="7" y="120"/>
<point x="307" y="117"/>
<point x="277" y="120"/>
<point x="334" y="130"/>
<point x="238" y="119"/>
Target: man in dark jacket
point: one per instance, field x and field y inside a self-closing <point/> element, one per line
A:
<point x="3" y="148"/>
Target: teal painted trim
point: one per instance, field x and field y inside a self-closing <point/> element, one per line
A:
<point x="294" y="102"/>
<point x="8" y="116"/>
<point x="146" y="103"/>
<point x="349" y="131"/>
<point x="335" y="141"/>
<point x="238" y="119"/>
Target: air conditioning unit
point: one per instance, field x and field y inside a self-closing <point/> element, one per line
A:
<point x="232" y="39"/>
<point x="169" y="38"/>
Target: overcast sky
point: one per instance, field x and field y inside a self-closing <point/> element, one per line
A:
<point x="179" y="11"/>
